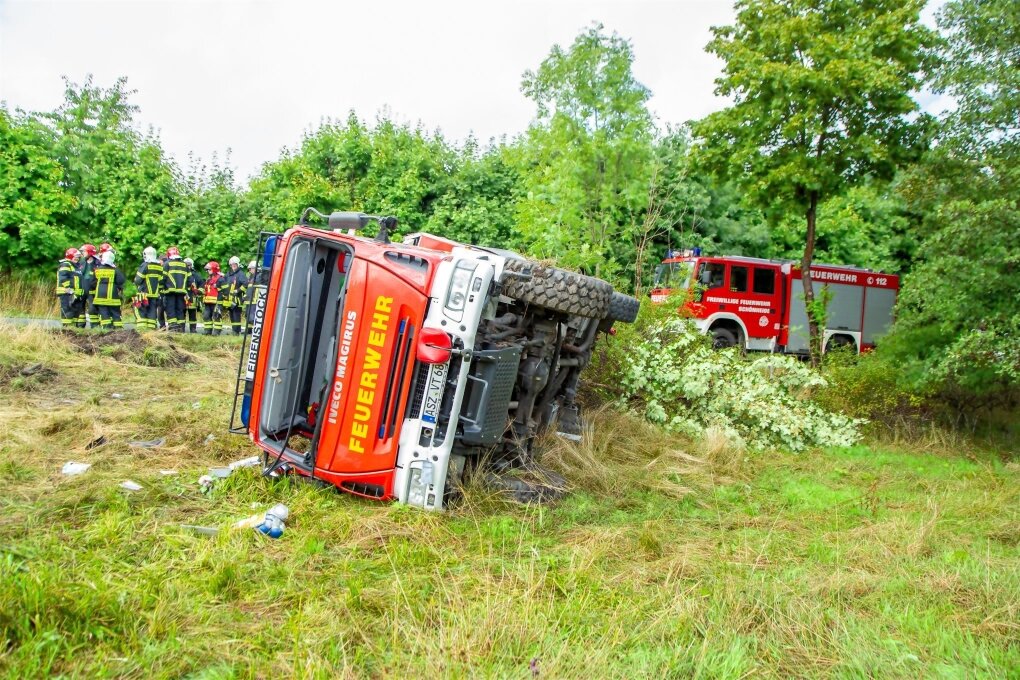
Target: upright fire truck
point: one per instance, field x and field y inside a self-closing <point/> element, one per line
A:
<point x="758" y="304"/>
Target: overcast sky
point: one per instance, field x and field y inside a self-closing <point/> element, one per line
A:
<point x="252" y="76"/>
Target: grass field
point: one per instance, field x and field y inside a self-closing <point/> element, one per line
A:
<point x="668" y="559"/>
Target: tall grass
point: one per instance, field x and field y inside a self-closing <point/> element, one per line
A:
<point x="668" y="558"/>
<point x="28" y="296"/>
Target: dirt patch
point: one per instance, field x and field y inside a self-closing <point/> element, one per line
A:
<point x="25" y="377"/>
<point x="129" y="345"/>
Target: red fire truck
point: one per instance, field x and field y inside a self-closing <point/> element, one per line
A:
<point x="758" y="304"/>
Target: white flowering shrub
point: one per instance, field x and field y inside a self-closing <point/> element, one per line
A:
<point x="678" y="380"/>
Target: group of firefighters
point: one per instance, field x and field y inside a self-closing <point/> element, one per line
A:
<point x="90" y="288"/>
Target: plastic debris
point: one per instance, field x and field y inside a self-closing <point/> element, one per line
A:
<point x="204" y="531"/>
<point x="71" y="468"/>
<point x="210" y="439"/>
<point x="147" y="443"/>
<point x="272" y="526"/>
<point x="245" y="463"/>
<point x="117" y="395"/>
<point x="220" y="472"/>
<point x="130" y="486"/>
<point x="95" y="443"/>
<point x="31" y="369"/>
<point x="205" y="482"/>
<point x="196" y="405"/>
<point x="167" y="473"/>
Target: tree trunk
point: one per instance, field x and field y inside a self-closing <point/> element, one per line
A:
<point x="814" y="331"/>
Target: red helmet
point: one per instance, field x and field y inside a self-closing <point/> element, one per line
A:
<point x="173" y="252"/>
<point x="213" y="266"/>
<point x="89" y="250"/>
<point x="71" y="253"/>
<point x="104" y="247"/>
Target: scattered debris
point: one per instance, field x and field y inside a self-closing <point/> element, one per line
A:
<point x="31" y="369"/>
<point x="148" y="443"/>
<point x="130" y="486"/>
<point x="204" y="531"/>
<point x="209" y="439"/>
<point x="117" y="395"/>
<point x="205" y="482"/>
<point x="220" y="472"/>
<point x="245" y="463"/>
<point x="96" y="443"/>
<point x="270" y="523"/>
<point x="196" y="405"/>
<point x="71" y="468"/>
<point x="167" y="473"/>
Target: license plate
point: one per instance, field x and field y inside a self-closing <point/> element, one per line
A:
<point x="434" y="393"/>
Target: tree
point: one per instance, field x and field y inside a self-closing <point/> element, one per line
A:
<point x="587" y="160"/>
<point x="821" y="101"/>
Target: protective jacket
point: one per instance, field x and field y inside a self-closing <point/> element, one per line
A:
<point x="175" y="276"/>
<point x="68" y="279"/>
<point x="109" y="286"/>
<point x="232" y="288"/>
<point x="211" y="293"/>
<point x="87" y="268"/>
<point x="149" y="279"/>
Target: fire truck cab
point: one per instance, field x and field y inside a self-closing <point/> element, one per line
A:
<point x="758" y="304"/>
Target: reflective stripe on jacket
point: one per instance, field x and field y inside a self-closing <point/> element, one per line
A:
<point x="149" y="279"/>
<point x="109" y="286"/>
<point x="68" y="279"/>
<point x="212" y="293"/>
<point x="175" y="276"/>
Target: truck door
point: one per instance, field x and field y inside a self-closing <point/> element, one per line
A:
<point x="757" y="289"/>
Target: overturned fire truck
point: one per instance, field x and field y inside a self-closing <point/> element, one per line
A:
<point x="758" y="304"/>
<point x="392" y="370"/>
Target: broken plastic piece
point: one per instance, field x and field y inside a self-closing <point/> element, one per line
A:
<point x="167" y="473"/>
<point x="147" y="443"/>
<point x="130" y="486"/>
<point x="245" y="462"/>
<point x="70" y="468"/>
<point x="204" y="531"/>
<point x="97" y="442"/>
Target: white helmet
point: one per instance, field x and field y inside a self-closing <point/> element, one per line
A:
<point x="234" y="260"/>
<point x="188" y="261"/>
<point x="108" y="257"/>
<point x="150" y="254"/>
<point x="252" y="265"/>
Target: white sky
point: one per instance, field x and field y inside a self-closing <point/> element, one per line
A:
<point x="252" y="76"/>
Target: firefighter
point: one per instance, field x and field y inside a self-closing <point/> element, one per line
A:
<point x="69" y="289"/>
<point x="249" y="295"/>
<point x="175" y="288"/>
<point x="232" y="292"/>
<point x="149" y="281"/>
<point x="194" y="299"/>
<point x="211" y="310"/>
<point x="160" y="307"/>
<point x="106" y="248"/>
<point x="88" y="314"/>
<point x="109" y="287"/>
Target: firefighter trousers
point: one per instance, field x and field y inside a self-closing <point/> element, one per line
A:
<point x="174" y="304"/>
<point x="109" y="317"/>
<point x="191" y="317"/>
<point x="88" y="313"/>
<point x="147" y="315"/>
<point x="211" y="315"/>
<point x="70" y="309"/>
<point x="235" y="319"/>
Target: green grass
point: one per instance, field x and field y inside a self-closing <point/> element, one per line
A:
<point x="702" y="562"/>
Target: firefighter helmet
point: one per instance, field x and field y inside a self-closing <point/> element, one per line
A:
<point x="104" y="248"/>
<point x="71" y="254"/>
<point x="234" y="260"/>
<point x="89" y="250"/>
<point x="188" y="261"/>
<point x="213" y="267"/>
<point x="150" y="254"/>
<point x="173" y="252"/>
<point x="107" y="257"/>
<point x="252" y="265"/>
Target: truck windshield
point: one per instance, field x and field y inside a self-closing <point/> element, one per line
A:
<point x="673" y="275"/>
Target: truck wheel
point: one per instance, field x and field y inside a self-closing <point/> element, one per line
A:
<point x="557" y="289"/>
<point x="722" y="338"/>
<point x="623" y="308"/>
